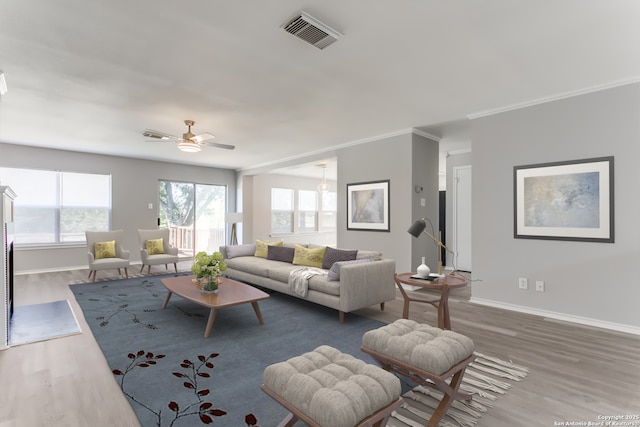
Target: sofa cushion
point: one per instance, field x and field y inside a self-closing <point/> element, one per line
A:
<point x="280" y="271"/>
<point x="320" y="283"/>
<point x="252" y="265"/>
<point x="241" y="250"/>
<point x="280" y="253"/>
<point x="332" y="255"/>
<point x="334" y="272"/>
<point x="372" y="255"/>
<point x="261" y="248"/>
<point x="309" y="257"/>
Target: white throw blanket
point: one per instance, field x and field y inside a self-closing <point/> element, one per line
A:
<point x="299" y="279"/>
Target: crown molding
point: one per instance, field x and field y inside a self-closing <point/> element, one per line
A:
<point x="552" y="98"/>
<point x="329" y="150"/>
<point x="426" y="135"/>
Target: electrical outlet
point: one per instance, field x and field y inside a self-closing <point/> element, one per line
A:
<point x="523" y="283"/>
<point x="539" y="286"/>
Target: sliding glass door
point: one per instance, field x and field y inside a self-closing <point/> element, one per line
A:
<point x="194" y="215"/>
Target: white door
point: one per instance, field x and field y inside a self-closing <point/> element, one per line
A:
<point x="462" y="218"/>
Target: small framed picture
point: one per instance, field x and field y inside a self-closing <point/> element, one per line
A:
<point x="570" y="200"/>
<point x="368" y="206"/>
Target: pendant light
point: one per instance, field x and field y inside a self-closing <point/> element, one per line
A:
<point x="323" y="186"/>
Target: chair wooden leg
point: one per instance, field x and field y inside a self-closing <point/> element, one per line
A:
<point x="381" y="306"/>
<point x="126" y="273"/>
<point x="141" y="268"/>
<point x="175" y="265"/>
<point x="149" y="269"/>
<point x="341" y="316"/>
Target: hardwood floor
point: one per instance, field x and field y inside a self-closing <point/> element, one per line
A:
<point x="578" y="373"/>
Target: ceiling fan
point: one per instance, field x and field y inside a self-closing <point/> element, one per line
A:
<point x="189" y="142"/>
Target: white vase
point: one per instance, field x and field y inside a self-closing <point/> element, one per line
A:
<point x="423" y="269"/>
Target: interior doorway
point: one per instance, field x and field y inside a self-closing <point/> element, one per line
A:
<point x="461" y="217"/>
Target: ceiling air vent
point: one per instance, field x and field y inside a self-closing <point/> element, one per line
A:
<point x="312" y="31"/>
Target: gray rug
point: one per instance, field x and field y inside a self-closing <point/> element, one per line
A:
<point x="173" y="376"/>
<point x="40" y="322"/>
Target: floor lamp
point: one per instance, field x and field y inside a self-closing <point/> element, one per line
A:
<point x="233" y="218"/>
<point x="419" y="227"/>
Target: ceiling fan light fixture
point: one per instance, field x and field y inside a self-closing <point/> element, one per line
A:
<point x="189" y="146"/>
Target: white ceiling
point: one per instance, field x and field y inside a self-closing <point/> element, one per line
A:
<point x="92" y="75"/>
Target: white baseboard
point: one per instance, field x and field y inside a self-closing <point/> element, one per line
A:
<point x="58" y="269"/>
<point x="620" y="327"/>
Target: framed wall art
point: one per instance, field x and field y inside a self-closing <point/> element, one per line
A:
<point x="368" y="206"/>
<point x="571" y="200"/>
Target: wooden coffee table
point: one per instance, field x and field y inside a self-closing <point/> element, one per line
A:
<point x="230" y="293"/>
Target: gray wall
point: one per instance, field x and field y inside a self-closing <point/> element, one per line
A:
<point x="406" y="160"/>
<point x="134" y="186"/>
<point x="589" y="282"/>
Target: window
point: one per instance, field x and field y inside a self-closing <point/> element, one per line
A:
<point x="58" y="207"/>
<point x="328" y="215"/>
<point x="307" y="211"/>
<point x="281" y="210"/>
<point x="194" y="215"/>
<point x="302" y="211"/>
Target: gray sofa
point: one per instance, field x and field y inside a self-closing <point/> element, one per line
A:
<point x="347" y="286"/>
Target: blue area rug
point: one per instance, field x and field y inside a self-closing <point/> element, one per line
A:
<point x="40" y="322"/>
<point x="174" y="377"/>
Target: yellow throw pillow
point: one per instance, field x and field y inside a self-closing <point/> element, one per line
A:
<point x="105" y="249"/>
<point x="155" y="247"/>
<point x="261" y="247"/>
<point x="311" y="257"/>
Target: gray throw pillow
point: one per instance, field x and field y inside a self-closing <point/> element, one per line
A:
<point x="241" y="250"/>
<point x="280" y="253"/>
<point x="334" y="273"/>
<point x="332" y="255"/>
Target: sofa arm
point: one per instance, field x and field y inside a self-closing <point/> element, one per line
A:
<point x="362" y="285"/>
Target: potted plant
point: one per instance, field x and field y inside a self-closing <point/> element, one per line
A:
<point x="208" y="269"/>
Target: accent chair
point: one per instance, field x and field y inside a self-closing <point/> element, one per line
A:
<point x="105" y="251"/>
<point x="155" y="249"/>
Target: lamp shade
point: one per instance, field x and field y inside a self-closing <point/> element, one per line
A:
<point x="233" y="217"/>
<point x="417" y="227"/>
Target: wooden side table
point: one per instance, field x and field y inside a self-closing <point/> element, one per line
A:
<point x="442" y="304"/>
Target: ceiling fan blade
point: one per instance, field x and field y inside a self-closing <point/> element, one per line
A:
<point x="218" y="145"/>
<point x="150" y="133"/>
<point x="202" y="137"/>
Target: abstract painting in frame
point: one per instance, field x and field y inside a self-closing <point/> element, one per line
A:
<point x="571" y="200"/>
<point x="368" y="206"/>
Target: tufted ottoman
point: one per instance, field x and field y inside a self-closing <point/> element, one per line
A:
<point x="327" y="388"/>
<point x="429" y="356"/>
